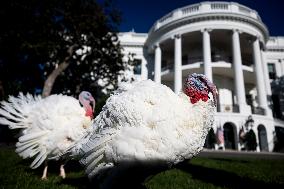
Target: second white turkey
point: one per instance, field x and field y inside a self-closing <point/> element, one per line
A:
<point x="49" y="126"/>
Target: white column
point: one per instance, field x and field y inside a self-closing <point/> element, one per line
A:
<point x="158" y="63"/>
<point x="257" y="138"/>
<point x="282" y="66"/>
<point x="266" y="74"/>
<point x="178" y="64"/>
<point x="277" y="68"/>
<point x="261" y="92"/>
<point x="267" y="84"/>
<point x="144" y="71"/>
<point x="238" y="145"/>
<point x="238" y="73"/>
<point x="207" y="54"/>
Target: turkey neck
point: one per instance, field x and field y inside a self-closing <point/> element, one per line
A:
<point x="88" y="108"/>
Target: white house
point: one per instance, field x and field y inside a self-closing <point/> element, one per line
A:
<point x="230" y="44"/>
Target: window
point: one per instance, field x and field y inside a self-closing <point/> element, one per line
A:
<point x="271" y="71"/>
<point x="137" y="66"/>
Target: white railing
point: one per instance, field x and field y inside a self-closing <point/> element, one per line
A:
<point x="222" y="6"/>
<point x="190" y="9"/>
<point x="205" y="7"/>
<point x="244" y="9"/>
<point x="166" y="18"/>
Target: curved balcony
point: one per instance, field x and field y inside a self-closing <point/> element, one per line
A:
<point x="188" y="19"/>
<point x="205" y="7"/>
<point x="197" y="62"/>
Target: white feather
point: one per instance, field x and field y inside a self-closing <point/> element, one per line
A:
<point x="23" y="146"/>
<point x="49" y="126"/>
<point x="145" y="122"/>
<point x="39" y="159"/>
<point x="32" y="136"/>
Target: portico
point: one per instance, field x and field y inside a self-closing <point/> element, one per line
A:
<point x="206" y="65"/>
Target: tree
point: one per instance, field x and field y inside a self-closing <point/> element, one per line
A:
<point x="71" y="42"/>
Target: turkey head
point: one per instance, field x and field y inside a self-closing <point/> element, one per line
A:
<point x="198" y="87"/>
<point x="88" y="102"/>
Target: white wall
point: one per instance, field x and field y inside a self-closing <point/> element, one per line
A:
<point x="134" y="43"/>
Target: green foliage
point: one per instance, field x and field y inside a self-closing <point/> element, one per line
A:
<point x="16" y="174"/>
<point x="38" y="35"/>
<point x="222" y="173"/>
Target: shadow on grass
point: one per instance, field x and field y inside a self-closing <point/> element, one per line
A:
<point x="129" y="175"/>
<point x="223" y="178"/>
<point x="71" y="166"/>
<point x="73" y="169"/>
<point x="230" y="160"/>
<point x="79" y="182"/>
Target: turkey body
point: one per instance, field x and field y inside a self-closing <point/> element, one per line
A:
<point x="143" y="123"/>
<point x="49" y="126"/>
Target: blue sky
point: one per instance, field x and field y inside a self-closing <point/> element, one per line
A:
<point x="141" y="14"/>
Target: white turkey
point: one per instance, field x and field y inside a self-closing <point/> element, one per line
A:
<point x="147" y="122"/>
<point x="48" y="126"/>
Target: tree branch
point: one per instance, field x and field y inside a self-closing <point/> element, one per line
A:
<point x="49" y="82"/>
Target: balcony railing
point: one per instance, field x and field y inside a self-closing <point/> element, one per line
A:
<point x="222" y="6"/>
<point x="199" y="59"/>
<point x="235" y="109"/>
<point x="168" y="67"/>
<point x="258" y="110"/>
<point x="192" y="60"/>
<point x="228" y="108"/>
<point x="190" y="9"/>
<point x="215" y="58"/>
<point x="205" y="7"/>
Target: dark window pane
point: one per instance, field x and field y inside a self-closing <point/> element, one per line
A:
<point x="271" y="71"/>
<point x="137" y="66"/>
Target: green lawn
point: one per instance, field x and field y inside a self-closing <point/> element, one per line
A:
<point x="198" y="173"/>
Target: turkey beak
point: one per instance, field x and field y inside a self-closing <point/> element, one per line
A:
<point x="214" y="92"/>
<point x="212" y="88"/>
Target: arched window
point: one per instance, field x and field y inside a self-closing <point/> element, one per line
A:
<point x="262" y="136"/>
<point x="230" y="136"/>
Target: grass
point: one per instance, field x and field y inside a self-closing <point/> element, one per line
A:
<point x="198" y="173"/>
<point x="15" y="173"/>
<point x="222" y="173"/>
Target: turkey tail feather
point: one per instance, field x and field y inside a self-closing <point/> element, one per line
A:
<point x="32" y="136"/>
<point x="27" y="151"/>
<point x="15" y="111"/>
<point x="39" y="159"/>
<point x="21" y="147"/>
<point x="28" y="145"/>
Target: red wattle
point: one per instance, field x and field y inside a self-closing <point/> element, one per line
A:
<point x="89" y="112"/>
<point x="196" y="95"/>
